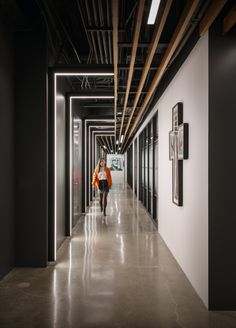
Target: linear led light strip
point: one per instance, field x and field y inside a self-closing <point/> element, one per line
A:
<point x="90" y="152"/>
<point x="86" y="121"/>
<point x="71" y="150"/>
<point x="153" y="12"/>
<point x="95" y="134"/>
<point x="55" y="143"/>
<point x="85" y="170"/>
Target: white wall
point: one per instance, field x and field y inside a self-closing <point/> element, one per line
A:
<point x="185" y="229"/>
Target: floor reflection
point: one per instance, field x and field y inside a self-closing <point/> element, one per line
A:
<point x="115" y="271"/>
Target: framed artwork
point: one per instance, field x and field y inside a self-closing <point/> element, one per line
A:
<point x="171" y="145"/>
<point x="178" y="151"/>
<point x="183" y="141"/>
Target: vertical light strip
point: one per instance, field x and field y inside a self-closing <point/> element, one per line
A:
<point x="55" y="166"/>
<point x="85" y="167"/>
<point x="55" y="151"/>
<point x="89" y="172"/>
<point x="138" y="167"/>
<point x="71" y="164"/>
<point x="133" y="168"/>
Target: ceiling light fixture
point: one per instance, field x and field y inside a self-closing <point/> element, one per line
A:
<point x="84" y="74"/>
<point x="92" y="97"/>
<point x="121" y="139"/>
<point x="117" y="142"/>
<point x="153" y="12"/>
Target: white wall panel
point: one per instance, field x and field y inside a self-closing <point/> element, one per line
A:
<point x="185" y="229"/>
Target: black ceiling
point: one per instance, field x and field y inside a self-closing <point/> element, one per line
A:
<point x="81" y="32"/>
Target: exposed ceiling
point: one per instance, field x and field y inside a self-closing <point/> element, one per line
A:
<point x="115" y="32"/>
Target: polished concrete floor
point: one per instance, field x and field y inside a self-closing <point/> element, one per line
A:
<point x="113" y="272"/>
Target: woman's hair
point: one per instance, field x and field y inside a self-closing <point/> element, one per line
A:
<point x="97" y="168"/>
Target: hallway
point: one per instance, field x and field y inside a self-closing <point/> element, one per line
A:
<point x="115" y="272"/>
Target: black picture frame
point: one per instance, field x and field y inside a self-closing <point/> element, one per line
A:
<point x="178" y="151"/>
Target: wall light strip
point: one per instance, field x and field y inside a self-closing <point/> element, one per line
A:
<point x="55" y="169"/>
<point x="153" y="12"/>
<point x="71" y="165"/>
<point x="92" y="97"/>
<point x="84" y="74"/>
<point x="55" y="75"/>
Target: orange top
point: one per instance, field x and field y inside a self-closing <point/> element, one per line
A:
<point x="96" y="181"/>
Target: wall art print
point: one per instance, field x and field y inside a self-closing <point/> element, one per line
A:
<point x="178" y="151"/>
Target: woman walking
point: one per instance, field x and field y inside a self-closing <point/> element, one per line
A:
<point x="102" y="180"/>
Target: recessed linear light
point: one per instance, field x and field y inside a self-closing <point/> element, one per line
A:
<point x="153" y="12"/>
<point x="117" y="142"/>
<point x="84" y="74"/>
<point x="119" y="148"/>
<point x="104" y="147"/>
<point x="92" y="97"/>
<point x="121" y="139"/>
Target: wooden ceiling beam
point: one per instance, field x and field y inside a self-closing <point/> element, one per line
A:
<point x="210" y="15"/>
<point x="230" y="20"/>
<point x="181" y="27"/>
<point x="151" y="52"/>
<point x="138" y="25"/>
<point x="115" y="11"/>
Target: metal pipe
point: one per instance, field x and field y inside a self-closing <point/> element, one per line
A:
<point x="67" y="35"/>
<point x="84" y="25"/>
<point x="109" y="32"/>
<point x="105" y="46"/>
<point x="48" y="29"/>
<point x="103" y="33"/>
<point x="131" y="14"/>
<point x="100" y="47"/>
<point x="110" y="48"/>
<point x="88" y="13"/>
<point x="94" y="47"/>
<point x="94" y="13"/>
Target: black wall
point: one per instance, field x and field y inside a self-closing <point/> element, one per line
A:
<point x="222" y="173"/>
<point x="130" y="166"/>
<point x="31" y="146"/>
<point x="62" y="88"/>
<point x="7" y="206"/>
